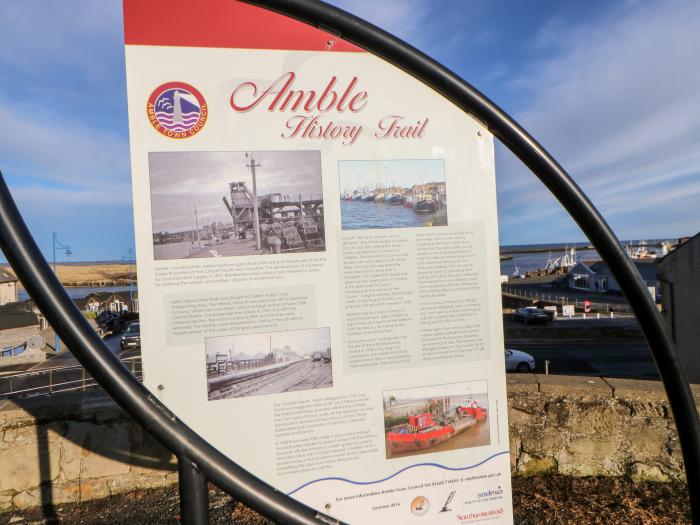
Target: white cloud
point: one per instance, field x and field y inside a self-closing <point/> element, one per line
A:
<point x="48" y="147"/>
<point x="619" y="106"/>
<point x="36" y="35"/>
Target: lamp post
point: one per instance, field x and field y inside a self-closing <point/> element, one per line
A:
<point x="129" y="257"/>
<point x="60" y="246"/>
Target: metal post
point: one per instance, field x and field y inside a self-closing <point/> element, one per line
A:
<point x="83" y="378"/>
<point x="194" y="497"/>
<point x="57" y="244"/>
<point x="546" y="367"/>
<point x="256" y="219"/>
<point x="129" y="257"/>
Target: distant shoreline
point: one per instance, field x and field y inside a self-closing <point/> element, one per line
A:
<point x="94" y="275"/>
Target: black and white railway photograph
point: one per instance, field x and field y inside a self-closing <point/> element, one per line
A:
<point x="268" y="363"/>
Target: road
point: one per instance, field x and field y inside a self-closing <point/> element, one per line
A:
<point x="608" y="358"/>
<point x="543" y="289"/>
<point x="62" y="371"/>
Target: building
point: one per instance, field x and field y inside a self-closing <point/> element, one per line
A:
<point x="595" y="276"/>
<point x="679" y="274"/>
<point x="8" y="287"/>
<point x="110" y="302"/>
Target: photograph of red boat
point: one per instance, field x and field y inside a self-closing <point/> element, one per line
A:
<point x="436" y="418"/>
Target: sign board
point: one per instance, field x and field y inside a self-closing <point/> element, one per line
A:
<point x="568" y="309"/>
<point x="318" y="264"/>
<point x="552" y="309"/>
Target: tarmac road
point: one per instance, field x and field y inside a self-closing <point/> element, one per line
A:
<point x="73" y="377"/>
<point x="608" y="358"/>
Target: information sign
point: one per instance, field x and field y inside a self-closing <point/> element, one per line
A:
<point x="317" y="248"/>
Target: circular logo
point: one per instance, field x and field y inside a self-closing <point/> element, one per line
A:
<point x="177" y="110"/>
<point x="420" y="505"/>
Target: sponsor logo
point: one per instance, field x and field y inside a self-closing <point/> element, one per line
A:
<point x="490" y="493"/>
<point x="420" y="505"/>
<point x="477" y="516"/>
<point x="445" y="507"/>
<point x="177" y="110"/>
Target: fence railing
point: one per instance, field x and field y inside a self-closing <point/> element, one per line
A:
<point x="526" y="293"/>
<point x="50" y="381"/>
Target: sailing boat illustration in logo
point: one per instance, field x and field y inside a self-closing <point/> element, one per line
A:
<point x="177" y="110"/>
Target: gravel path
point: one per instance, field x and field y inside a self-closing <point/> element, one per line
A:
<point x="538" y="500"/>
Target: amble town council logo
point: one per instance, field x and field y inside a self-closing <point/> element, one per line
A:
<point x="177" y="110"/>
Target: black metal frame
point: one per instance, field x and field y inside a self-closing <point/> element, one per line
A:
<point x="198" y="460"/>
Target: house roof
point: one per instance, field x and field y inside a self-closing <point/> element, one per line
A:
<point x="104" y="297"/>
<point x="648" y="269"/>
<point x="581" y="266"/>
<point x="15" y="315"/>
<point x="7" y="277"/>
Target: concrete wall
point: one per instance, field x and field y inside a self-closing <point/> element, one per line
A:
<point x="586" y="426"/>
<point x="8" y="293"/>
<point x="81" y="447"/>
<point x="680" y="295"/>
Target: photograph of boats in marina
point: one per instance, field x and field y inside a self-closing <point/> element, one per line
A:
<point x="228" y="203"/>
<point x="268" y="363"/>
<point x="436" y="418"/>
<point x="404" y="193"/>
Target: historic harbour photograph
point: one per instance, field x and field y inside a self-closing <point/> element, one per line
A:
<point x="404" y="193"/>
<point x="436" y="418"/>
<point x="228" y="203"/>
<point x="268" y="363"/>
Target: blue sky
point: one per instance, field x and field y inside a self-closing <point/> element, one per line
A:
<point x="612" y="89"/>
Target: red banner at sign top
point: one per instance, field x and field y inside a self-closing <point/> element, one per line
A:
<point x="221" y="23"/>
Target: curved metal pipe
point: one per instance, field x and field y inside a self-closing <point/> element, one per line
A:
<point x="554" y="177"/>
<point x="42" y="285"/>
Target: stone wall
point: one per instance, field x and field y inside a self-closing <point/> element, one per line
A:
<point x="73" y="447"/>
<point x="586" y="426"/>
<point x="68" y="448"/>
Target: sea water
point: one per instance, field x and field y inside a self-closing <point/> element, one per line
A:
<point x="360" y="215"/>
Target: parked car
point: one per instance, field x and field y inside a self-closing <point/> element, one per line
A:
<point x="532" y="315"/>
<point x="131" y="337"/>
<point x="518" y="361"/>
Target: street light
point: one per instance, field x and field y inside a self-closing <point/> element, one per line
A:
<point x="129" y="257"/>
<point x="60" y="246"/>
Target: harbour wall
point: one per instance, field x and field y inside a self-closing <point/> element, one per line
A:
<point x="74" y="447"/>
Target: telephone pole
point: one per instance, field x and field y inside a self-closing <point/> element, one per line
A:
<point x="256" y="220"/>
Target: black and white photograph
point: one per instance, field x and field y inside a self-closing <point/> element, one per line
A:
<point x="268" y="363"/>
<point x="229" y="203"/>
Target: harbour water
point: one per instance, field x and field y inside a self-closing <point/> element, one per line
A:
<point x="360" y="215"/>
<point x="529" y="262"/>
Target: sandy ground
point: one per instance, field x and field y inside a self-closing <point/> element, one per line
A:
<point x="539" y="500"/>
<point x="92" y="274"/>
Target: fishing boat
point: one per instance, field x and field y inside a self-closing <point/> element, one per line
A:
<point x="424" y="204"/>
<point x="408" y="201"/>
<point x="470" y="407"/>
<point x="423" y="432"/>
<point x="369" y="197"/>
<point x="379" y="196"/>
<point x="392" y="198"/>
